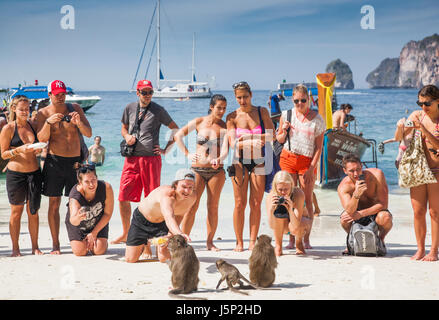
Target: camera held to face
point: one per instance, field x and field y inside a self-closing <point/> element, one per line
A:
<point x="67" y="118"/>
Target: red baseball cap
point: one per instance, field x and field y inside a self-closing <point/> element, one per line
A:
<point x="56" y="86"/>
<point x="142" y="84"/>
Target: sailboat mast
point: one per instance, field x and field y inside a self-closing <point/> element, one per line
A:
<point x="193" y="58"/>
<point x="158" y="45"/>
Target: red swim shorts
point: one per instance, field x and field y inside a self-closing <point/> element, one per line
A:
<point x="294" y="163"/>
<point x="139" y="173"/>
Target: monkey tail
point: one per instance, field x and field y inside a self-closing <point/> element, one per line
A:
<point x="176" y="294"/>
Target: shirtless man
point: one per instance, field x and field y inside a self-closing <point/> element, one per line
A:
<point x="59" y="127"/>
<point x="364" y="196"/>
<point x="159" y="214"/>
<point x="339" y="116"/>
<point x="97" y="153"/>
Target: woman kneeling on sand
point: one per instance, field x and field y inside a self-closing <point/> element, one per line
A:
<point x="212" y="148"/>
<point x="285" y="206"/>
<point x="23" y="175"/>
<point x="91" y="203"/>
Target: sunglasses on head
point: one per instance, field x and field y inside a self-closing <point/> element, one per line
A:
<point x="296" y="101"/>
<point x="241" y="84"/>
<point x="86" y="167"/>
<point x="146" y="93"/>
<point x="425" y="103"/>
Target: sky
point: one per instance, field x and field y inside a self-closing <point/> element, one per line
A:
<point x="262" y="42"/>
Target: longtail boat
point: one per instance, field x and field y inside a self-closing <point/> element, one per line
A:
<point x="337" y="142"/>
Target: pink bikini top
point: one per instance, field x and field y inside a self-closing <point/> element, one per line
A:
<point x="256" y="130"/>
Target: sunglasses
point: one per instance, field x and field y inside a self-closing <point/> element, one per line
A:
<point x="146" y="93"/>
<point x="296" y="101"/>
<point x="241" y="84"/>
<point x="427" y="104"/>
<point x="86" y="167"/>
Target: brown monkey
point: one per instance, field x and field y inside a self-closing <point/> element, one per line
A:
<point x="262" y="262"/>
<point x="232" y="276"/>
<point x="184" y="267"/>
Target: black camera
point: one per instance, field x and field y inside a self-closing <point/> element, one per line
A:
<point x="281" y="200"/>
<point x="66" y="118"/>
<point x="361" y="177"/>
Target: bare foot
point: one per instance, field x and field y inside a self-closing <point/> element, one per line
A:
<point x="278" y="251"/>
<point x="432" y="256"/>
<point x="300" y="250"/>
<point x="418" y="255"/>
<point x="56" y="250"/>
<point x="212" y="247"/>
<point x="291" y="242"/>
<point x="307" y="245"/>
<point x="37" y="252"/>
<point x="145" y="256"/>
<point x="239" y="248"/>
<point x="316" y="212"/>
<point x="16" y="253"/>
<point x="121" y="239"/>
<point x="251" y="245"/>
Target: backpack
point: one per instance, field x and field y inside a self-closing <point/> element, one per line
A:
<point x="364" y="241"/>
<point x="84" y="148"/>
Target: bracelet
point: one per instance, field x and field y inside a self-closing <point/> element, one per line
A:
<point x="12" y="153"/>
<point x="358" y="198"/>
<point x="48" y="122"/>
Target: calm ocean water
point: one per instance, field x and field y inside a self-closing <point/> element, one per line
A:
<point x="376" y="112"/>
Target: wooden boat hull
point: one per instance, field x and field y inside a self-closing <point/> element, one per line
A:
<point x="337" y="143"/>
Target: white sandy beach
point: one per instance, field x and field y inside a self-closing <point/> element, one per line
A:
<point x="322" y="274"/>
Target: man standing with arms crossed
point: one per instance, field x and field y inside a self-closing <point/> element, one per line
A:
<point x="143" y="169"/>
<point x="59" y="127"/>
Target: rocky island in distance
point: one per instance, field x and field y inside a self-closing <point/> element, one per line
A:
<point x="417" y="66"/>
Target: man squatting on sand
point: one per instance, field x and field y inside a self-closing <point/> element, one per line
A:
<point x="364" y="196"/>
<point x="64" y="151"/>
<point x="160" y="214"/>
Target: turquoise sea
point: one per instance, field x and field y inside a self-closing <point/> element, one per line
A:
<point x="376" y="111"/>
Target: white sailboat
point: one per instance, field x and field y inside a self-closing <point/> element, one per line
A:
<point x="182" y="89"/>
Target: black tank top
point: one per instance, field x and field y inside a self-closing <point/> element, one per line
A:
<point x="16" y="140"/>
<point x="95" y="207"/>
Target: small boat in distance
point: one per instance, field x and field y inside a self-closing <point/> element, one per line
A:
<point x="39" y="93"/>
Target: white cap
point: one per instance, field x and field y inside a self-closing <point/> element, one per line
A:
<point x="184" y="174"/>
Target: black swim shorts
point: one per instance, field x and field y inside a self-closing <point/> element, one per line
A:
<point x="141" y="230"/>
<point x="75" y="233"/>
<point x="58" y="174"/>
<point x="24" y="186"/>
<point x="367" y="219"/>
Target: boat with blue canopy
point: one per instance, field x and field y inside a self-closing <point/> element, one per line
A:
<point x="39" y="94"/>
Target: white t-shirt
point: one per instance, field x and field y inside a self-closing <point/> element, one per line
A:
<point x="302" y="134"/>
